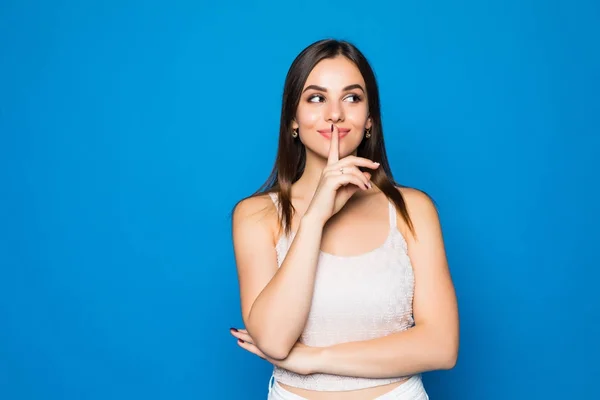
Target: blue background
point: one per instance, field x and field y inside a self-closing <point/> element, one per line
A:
<point x="128" y="130"/>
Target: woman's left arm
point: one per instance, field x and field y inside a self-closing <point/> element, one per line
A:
<point x="432" y="344"/>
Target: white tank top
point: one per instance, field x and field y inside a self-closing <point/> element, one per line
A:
<point x="355" y="298"/>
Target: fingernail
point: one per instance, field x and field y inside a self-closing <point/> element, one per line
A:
<point x="233" y="329"/>
<point x="240" y="340"/>
<point x="376" y="163"/>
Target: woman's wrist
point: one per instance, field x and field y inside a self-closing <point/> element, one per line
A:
<point x="317" y="357"/>
<point x="309" y="221"/>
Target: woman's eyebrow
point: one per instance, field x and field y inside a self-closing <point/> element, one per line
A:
<point x="322" y="89"/>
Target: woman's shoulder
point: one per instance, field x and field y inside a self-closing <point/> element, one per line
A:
<point x="420" y="207"/>
<point x="256" y="206"/>
<point x="256" y="212"/>
<point x="415" y="197"/>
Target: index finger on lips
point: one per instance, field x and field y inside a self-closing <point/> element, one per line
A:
<point x="334" y="149"/>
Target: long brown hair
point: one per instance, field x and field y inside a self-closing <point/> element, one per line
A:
<point x="291" y="154"/>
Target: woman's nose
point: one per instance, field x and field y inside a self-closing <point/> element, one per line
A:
<point x="335" y="113"/>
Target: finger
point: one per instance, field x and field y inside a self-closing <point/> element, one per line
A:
<point x="359" y="162"/>
<point x="334" y="146"/>
<point x="252" y="349"/>
<point x="357" y="172"/>
<point x="243" y="336"/>
<point x="347" y="191"/>
<point x="346" y="179"/>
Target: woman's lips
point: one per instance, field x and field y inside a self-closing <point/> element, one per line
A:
<point x="327" y="132"/>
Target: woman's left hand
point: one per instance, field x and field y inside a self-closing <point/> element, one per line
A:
<point x="301" y="359"/>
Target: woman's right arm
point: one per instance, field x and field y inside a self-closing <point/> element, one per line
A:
<point x="275" y="301"/>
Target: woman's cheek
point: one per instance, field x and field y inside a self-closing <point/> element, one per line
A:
<point x="310" y="118"/>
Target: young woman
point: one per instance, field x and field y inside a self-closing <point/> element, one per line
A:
<point x="344" y="282"/>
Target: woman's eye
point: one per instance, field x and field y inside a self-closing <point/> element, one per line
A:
<point x="317" y="98"/>
<point x="355" y="98"/>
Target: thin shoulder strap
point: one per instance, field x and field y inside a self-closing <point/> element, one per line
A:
<point x="275" y="199"/>
<point x="273" y="196"/>
<point x="283" y="239"/>
<point x="392" y="212"/>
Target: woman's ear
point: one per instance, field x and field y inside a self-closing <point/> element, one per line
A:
<point x="369" y="123"/>
<point x="295" y="124"/>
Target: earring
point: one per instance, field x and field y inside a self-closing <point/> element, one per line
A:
<point x="295" y="133"/>
<point x="368" y="133"/>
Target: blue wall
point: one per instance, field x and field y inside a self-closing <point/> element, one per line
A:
<point x="128" y="130"/>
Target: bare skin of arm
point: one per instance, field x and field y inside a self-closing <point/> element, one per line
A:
<point x="432" y="344"/>
<point x="276" y="301"/>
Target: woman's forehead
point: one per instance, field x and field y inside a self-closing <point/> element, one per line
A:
<point x="335" y="74"/>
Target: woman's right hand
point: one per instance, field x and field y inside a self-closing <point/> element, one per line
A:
<point x="340" y="180"/>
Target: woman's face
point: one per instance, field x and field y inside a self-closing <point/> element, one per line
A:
<point x="334" y="93"/>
